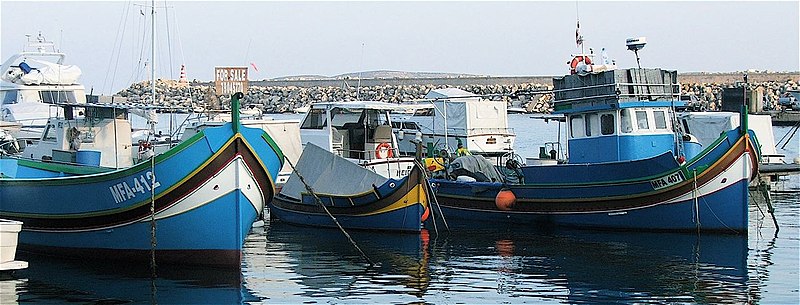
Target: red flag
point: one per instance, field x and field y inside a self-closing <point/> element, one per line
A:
<point x="254" y="66"/>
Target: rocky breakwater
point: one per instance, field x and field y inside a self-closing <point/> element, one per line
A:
<point x="280" y="99"/>
<point x="529" y="96"/>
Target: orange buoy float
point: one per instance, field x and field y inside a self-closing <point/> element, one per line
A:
<point x="425" y="214"/>
<point x="505" y="200"/>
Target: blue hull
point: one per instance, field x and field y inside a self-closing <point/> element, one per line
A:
<point x="650" y="194"/>
<point x="208" y="191"/>
<point x="715" y="215"/>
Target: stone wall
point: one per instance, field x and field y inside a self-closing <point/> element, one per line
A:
<point x="524" y="92"/>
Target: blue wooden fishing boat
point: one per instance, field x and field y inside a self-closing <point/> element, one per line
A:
<point x="83" y="195"/>
<point x="325" y="186"/>
<point x="629" y="165"/>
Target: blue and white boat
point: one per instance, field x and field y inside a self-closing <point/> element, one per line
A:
<point x="629" y="165"/>
<point x="326" y="190"/>
<point x="193" y="204"/>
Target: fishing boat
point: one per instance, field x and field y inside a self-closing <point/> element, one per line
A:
<point x="192" y="204"/>
<point x="629" y="166"/>
<point x="359" y="131"/>
<point x="326" y="190"/>
<point x="33" y="79"/>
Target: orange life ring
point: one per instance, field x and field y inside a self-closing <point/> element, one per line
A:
<point x="384" y="150"/>
<point x="578" y="59"/>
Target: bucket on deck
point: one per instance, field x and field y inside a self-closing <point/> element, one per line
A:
<point x="88" y="157"/>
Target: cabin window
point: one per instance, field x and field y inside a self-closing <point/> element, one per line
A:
<point x="52" y="97"/>
<point x="576" y="124"/>
<point x="424" y="112"/>
<point x="660" y="119"/>
<point x="314" y="120"/>
<point x="607" y="124"/>
<point x="49" y="133"/>
<point x="625" y="121"/>
<point x="8" y="97"/>
<point x="641" y="120"/>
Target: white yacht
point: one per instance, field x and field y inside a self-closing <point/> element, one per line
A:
<point x="32" y="80"/>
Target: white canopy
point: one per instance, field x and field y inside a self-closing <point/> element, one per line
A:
<point x="461" y="112"/>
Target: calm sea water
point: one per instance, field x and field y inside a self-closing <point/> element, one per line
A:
<point x="478" y="264"/>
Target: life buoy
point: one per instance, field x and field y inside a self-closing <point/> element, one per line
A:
<point x="384" y="150"/>
<point x="577" y="60"/>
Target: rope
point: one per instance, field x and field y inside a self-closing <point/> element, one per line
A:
<point x="153" y="242"/>
<point x="796" y="127"/>
<point x="696" y="202"/>
<point x="432" y="195"/>
<point x="319" y="201"/>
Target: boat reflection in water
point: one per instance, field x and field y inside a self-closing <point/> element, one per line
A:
<point x="582" y="266"/>
<point x="54" y="280"/>
<point x="288" y="263"/>
<point x="498" y="265"/>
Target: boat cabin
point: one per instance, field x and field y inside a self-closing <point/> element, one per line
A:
<point x="360" y="131"/>
<point x="620" y="115"/>
<point x="94" y="135"/>
<point x="455" y="117"/>
<point x="357" y="130"/>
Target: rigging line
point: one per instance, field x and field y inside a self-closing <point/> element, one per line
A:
<point x="169" y="41"/>
<point x="117" y="39"/>
<point x="796" y="125"/>
<point x="319" y="201"/>
<point x="247" y="52"/>
<point x="178" y="34"/>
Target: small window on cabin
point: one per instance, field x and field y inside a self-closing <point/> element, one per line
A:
<point x="49" y="133"/>
<point x="424" y="112"/>
<point x="314" y="120"/>
<point x="576" y="126"/>
<point x="625" y="121"/>
<point x="8" y="97"/>
<point x="607" y="124"/>
<point x="661" y="119"/>
<point x="641" y="120"/>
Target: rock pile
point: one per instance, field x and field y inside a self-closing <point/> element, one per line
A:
<point x="278" y="99"/>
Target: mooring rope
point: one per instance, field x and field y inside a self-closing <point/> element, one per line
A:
<point x="319" y="201"/>
<point x="432" y="195"/>
<point x="153" y="216"/>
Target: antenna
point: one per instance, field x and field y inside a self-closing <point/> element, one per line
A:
<point x="636" y="44"/>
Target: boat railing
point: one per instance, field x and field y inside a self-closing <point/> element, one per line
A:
<point x="634" y="92"/>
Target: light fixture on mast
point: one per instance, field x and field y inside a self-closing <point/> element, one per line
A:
<point x="636" y="44"/>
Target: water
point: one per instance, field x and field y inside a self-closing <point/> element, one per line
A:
<point x="287" y="264"/>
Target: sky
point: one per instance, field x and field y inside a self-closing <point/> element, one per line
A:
<point x="109" y="40"/>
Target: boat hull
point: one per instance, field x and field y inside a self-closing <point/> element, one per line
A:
<point x="204" y="194"/>
<point x="708" y="193"/>
<point x="397" y="205"/>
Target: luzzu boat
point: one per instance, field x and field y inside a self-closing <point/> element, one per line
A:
<point x="198" y="199"/>
<point x="629" y="167"/>
<point x="326" y="190"/>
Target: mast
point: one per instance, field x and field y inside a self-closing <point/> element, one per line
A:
<point x="153" y="60"/>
